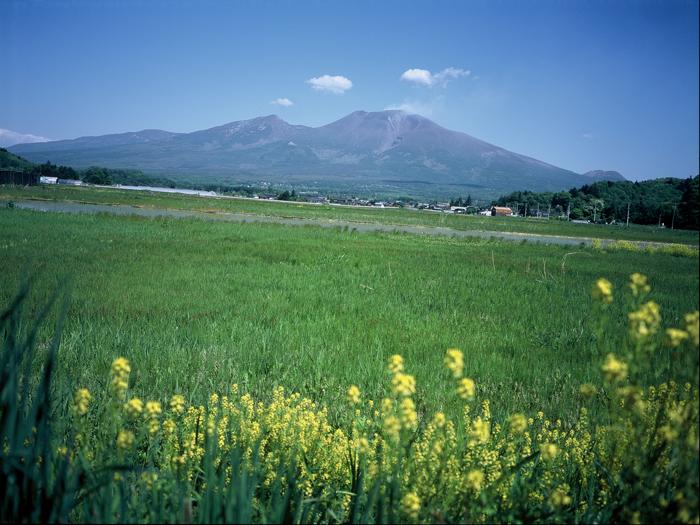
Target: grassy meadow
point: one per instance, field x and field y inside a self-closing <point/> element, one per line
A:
<point x="317" y="310"/>
<point x="196" y="307"/>
<point x="358" y="214"/>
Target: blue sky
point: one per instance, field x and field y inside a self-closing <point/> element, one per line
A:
<point x="582" y="85"/>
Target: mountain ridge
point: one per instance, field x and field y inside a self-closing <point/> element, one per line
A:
<point x="389" y="149"/>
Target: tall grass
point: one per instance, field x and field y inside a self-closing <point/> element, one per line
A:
<point x="316" y="310"/>
<point x="106" y="457"/>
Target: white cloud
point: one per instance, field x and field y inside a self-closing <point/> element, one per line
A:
<point x="9" y="138"/>
<point x="426" y="78"/>
<point x="587" y="135"/>
<point x="336" y="84"/>
<point x="284" y="101"/>
<point x="412" y="106"/>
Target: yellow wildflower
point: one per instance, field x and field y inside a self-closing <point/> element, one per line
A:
<point x="548" y="451"/>
<point x="120" y="377"/>
<point x="153" y="409"/>
<point x="81" y="401"/>
<point x="411" y="505"/>
<point x="675" y="337"/>
<point x="392" y="427"/>
<point x="177" y="404"/>
<point x="409" y="418"/>
<point x="645" y="321"/>
<point x="518" y="423"/>
<point x="403" y="384"/>
<point x="614" y="369"/>
<point x="602" y="291"/>
<point x="439" y="419"/>
<point x="475" y="480"/>
<point x="169" y="426"/>
<point x="480" y="431"/>
<point x="466" y="389"/>
<point x="638" y="284"/>
<point x="353" y="395"/>
<point x="395" y="364"/>
<point x="125" y="439"/>
<point x="560" y="496"/>
<point x="692" y="326"/>
<point x="133" y="407"/>
<point x="454" y="361"/>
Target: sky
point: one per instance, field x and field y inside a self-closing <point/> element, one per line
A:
<point x="582" y="85"/>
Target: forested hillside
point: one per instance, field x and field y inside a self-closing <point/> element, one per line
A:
<point x="668" y="201"/>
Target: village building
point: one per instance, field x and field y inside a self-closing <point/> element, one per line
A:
<point x="501" y="211"/>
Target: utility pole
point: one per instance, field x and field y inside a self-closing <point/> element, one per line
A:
<point x="628" y="214"/>
<point x="538" y="209"/>
<point x="549" y="210"/>
<point x="595" y="208"/>
<point x="568" y="211"/>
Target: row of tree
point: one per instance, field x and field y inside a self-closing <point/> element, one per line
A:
<point x="667" y="201"/>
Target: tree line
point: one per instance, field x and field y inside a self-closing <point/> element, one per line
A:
<point x="669" y="202"/>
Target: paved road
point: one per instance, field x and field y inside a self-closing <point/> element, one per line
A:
<point x="119" y="209"/>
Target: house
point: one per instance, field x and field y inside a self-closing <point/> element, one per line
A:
<point x="501" y="211"/>
<point x="48" y="180"/>
<point x="70" y="182"/>
<point x="458" y="209"/>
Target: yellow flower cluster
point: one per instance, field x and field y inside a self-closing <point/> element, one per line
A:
<point x="152" y="413"/>
<point x="614" y="369"/>
<point x="133" y="407"/>
<point x="466" y="389"/>
<point x="395" y="364"/>
<point x="454" y="361"/>
<point x="403" y="384"/>
<point x="645" y="321"/>
<point x="638" y="284"/>
<point x="120" y="377"/>
<point x="471" y="458"/>
<point x="81" y="401"/>
<point x="177" y="404"/>
<point x="676" y="337"/>
<point x="548" y="451"/>
<point x="125" y="439"/>
<point x="411" y="505"/>
<point x="354" y="397"/>
<point x="603" y="291"/>
<point x="518" y="423"/>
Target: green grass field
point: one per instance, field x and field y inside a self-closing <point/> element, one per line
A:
<point x="197" y="306"/>
<point x="358" y="214"/>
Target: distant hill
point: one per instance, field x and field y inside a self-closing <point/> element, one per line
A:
<point x="604" y="175"/>
<point x="386" y="151"/>
<point x="10" y="160"/>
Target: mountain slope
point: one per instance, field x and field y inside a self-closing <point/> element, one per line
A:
<point x="377" y="151"/>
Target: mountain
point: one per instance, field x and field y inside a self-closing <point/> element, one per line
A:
<point x="381" y="152"/>
<point x="597" y="175"/>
